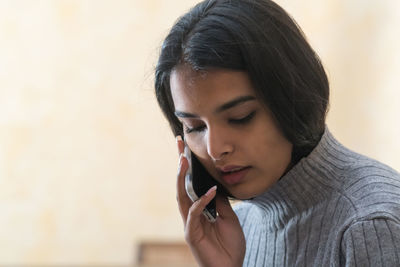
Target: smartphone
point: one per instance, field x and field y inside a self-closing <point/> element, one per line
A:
<point x="197" y="183"/>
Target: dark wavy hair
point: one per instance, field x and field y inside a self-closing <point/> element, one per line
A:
<point x="261" y="39"/>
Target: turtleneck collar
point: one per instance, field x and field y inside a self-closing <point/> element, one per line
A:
<point x="307" y="183"/>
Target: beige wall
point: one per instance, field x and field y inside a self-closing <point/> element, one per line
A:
<point x="87" y="162"/>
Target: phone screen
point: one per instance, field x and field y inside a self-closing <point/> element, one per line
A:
<point x="202" y="181"/>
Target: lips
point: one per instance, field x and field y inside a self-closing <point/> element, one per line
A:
<point x="234" y="174"/>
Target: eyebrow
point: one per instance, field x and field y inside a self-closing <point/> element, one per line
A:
<point x="233" y="103"/>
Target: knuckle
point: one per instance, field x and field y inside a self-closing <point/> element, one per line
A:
<point x="192" y="209"/>
<point x="195" y="207"/>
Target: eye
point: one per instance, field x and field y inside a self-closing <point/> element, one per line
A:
<point x="194" y="129"/>
<point x="243" y="120"/>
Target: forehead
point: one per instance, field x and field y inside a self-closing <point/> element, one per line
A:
<point x="184" y="80"/>
<point x="193" y="90"/>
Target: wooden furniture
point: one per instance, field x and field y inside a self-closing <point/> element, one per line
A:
<point x="153" y="253"/>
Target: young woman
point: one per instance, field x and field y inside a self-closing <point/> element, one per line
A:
<point x="238" y="80"/>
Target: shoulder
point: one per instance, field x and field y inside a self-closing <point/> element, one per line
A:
<point x="373" y="188"/>
<point x="374" y="242"/>
<point x="365" y="168"/>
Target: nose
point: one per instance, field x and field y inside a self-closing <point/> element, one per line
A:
<point x="218" y="144"/>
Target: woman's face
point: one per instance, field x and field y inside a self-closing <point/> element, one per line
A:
<point x="229" y="129"/>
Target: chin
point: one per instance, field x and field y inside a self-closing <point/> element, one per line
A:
<point x="243" y="194"/>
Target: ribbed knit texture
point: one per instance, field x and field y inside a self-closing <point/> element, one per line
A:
<point x="333" y="208"/>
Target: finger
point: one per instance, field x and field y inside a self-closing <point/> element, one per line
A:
<point x="198" y="206"/>
<point x="180" y="144"/>
<point x="224" y="207"/>
<point x="184" y="202"/>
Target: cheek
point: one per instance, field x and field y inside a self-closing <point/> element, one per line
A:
<point x="196" y="145"/>
<point x="269" y="145"/>
<point x="199" y="148"/>
<point x="275" y="153"/>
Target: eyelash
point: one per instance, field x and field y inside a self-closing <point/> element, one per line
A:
<point x="240" y="121"/>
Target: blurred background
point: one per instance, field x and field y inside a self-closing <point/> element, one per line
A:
<point x="87" y="161"/>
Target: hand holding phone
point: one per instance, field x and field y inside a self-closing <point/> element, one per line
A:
<point x="220" y="243"/>
<point x="197" y="182"/>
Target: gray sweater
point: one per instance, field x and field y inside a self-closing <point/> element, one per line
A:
<point x="333" y="208"/>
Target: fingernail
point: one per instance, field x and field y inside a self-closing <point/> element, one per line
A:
<point x="212" y="189"/>
<point x="178" y="138"/>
